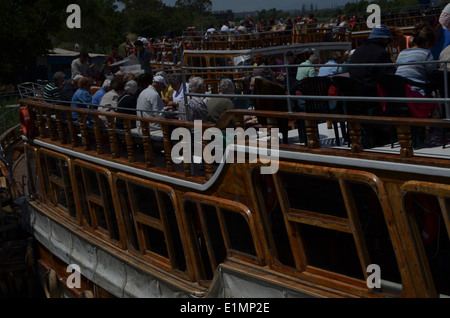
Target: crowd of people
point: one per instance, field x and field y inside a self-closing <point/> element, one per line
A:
<point x="162" y="95"/>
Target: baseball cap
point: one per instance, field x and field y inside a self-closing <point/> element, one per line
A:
<point x="380" y="32"/>
<point x="160" y="79"/>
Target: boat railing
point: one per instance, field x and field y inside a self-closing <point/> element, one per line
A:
<point x="95" y="132"/>
<point x="248" y="40"/>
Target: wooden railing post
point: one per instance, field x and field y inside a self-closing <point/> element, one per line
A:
<point x="354" y="131"/>
<point x="208" y="166"/>
<point x="129" y="140"/>
<point x="40" y="122"/>
<point x="404" y="139"/>
<point x="61" y="129"/>
<point x="312" y="133"/>
<point x="72" y="130"/>
<point x="50" y="125"/>
<point x="84" y="133"/>
<point x="167" y="147"/>
<point x="112" y="134"/>
<point x="98" y="135"/>
<point x="148" y="145"/>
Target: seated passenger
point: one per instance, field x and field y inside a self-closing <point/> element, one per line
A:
<point x="82" y="97"/>
<point x="196" y="107"/>
<point x="215" y="107"/>
<point x="442" y="36"/>
<point x="106" y="87"/>
<point x="51" y="90"/>
<point x="373" y="50"/>
<point x="127" y="103"/>
<point x="336" y="59"/>
<point x="310" y="71"/>
<point x="149" y="103"/>
<point x="423" y="40"/>
<point x="69" y="89"/>
<point x="110" y="99"/>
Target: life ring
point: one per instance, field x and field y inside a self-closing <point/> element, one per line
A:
<point x="27" y="122"/>
<point x="430" y="210"/>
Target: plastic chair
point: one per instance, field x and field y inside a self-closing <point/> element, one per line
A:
<point x="266" y="87"/>
<point x="348" y="86"/>
<point x="391" y="85"/>
<point x="319" y="86"/>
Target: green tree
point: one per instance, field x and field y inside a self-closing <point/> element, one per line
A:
<point x="196" y="5"/>
<point x="101" y="26"/>
<point x="27" y="26"/>
<point x="145" y="18"/>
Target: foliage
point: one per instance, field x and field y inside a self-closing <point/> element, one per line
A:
<point x="101" y="26"/>
<point x="26" y="29"/>
<point x="195" y="5"/>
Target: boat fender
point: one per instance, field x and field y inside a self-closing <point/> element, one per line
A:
<point x="430" y="210"/>
<point x="27" y="122"/>
<point x="51" y="287"/>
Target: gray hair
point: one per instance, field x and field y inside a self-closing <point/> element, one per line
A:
<point x="131" y="87"/>
<point x="59" y="76"/>
<point x="106" y="84"/>
<point x="195" y="83"/>
<point x="314" y="58"/>
<point x="226" y="86"/>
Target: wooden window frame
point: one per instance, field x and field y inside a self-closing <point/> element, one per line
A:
<point x="56" y="181"/>
<point x="162" y="224"/>
<point x="101" y="201"/>
<point x="442" y="194"/>
<point x="347" y="225"/>
<point x="220" y="205"/>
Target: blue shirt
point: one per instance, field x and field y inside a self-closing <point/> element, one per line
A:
<point x="325" y="71"/>
<point x="442" y="42"/>
<point x="80" y="96"/>
<point x="98" y="96"/>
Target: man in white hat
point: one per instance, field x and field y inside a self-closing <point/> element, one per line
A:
<point x="149" y="103"/>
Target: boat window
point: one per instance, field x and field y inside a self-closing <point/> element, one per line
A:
<point x="128" y="217"/>
<point x="195" y="61"/>
<point x="334" y="222"/>
<point x="427" y="206"/>
<point x="216" y="61"/>
<point x="33" y="175"/>
<point x="151" y="221"/>
<point x="219" y="229"/>
<point x="96" y="200"/>
<point x="56" y="182"/>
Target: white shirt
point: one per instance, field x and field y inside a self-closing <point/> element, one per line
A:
<point x="151" y="101"/>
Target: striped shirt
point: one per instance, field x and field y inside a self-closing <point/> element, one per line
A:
<point x="444" y="18"/>
<point x="417" y="72"/>
<point x="51" y="91"/>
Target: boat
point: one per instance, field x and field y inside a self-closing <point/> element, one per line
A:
<point x="114" y="213"/>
